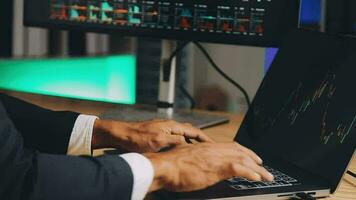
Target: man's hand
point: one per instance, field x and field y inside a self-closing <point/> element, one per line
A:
<point x="142" y="137"/>
<point x="194" y="167"/>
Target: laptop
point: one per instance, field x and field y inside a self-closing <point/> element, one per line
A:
<point x="302" y="121"/>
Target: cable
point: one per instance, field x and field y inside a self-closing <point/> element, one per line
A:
<point x="167" y="71"/>
<point x="189" y="97"/>
<point x="305" y="196"/>
<point x="176" y="51"/>
<point x="222" y="73"/>
<point x="215" y="66"/>
<point x="168" y="64"/>
<point x="351" y="173"/>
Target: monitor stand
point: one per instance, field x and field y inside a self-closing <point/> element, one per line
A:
<point x="164" y="108"/>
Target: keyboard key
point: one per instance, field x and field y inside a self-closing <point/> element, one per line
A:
<point x="280" y="180"/>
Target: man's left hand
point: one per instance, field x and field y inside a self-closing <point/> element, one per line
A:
<point x="143" y="137"/>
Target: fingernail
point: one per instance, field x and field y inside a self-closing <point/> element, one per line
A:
<point x="259" y="160"/>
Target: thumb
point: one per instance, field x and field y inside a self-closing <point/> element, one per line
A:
<point x="173" y="140"/>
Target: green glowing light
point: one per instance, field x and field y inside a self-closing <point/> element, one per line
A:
<point x="109" y="79"/>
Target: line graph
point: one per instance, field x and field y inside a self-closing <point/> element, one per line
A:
<point x="298" y="105"/>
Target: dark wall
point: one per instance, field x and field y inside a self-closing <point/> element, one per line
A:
<point x="148" y="65"/>
<point x="77" y="43"/>
<point x="341" y="16"/>
<point x="6" y="8"/>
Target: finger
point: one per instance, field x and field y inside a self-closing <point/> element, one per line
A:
<point x="266" y="175"/>
<point x="247" y="161"/>
<point x="200" y="136"/>
<point x="191" y="132"/>
<point x="245" y="172"/>
<point x="250" y="153"/>
<point x="174" y="140"/>
<point x="258" y="169"/>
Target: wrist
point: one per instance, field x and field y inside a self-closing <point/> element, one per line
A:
<point x="103" y="136"/>
<point x="97" y="136"/>
<point x="162" y="168"/>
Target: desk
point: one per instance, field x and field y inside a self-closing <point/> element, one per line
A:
<point x="222" y="133"/>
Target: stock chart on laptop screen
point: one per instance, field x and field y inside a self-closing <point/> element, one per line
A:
<point x="305" y="108"/>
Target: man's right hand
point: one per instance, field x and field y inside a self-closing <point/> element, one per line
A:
<point x="194" y="167"/>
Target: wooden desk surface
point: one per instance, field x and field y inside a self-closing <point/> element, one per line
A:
<point x="222" y="133"/>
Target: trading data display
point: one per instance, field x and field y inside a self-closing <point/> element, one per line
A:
<point x="255" y="18"/>
<point x="304" y="108"/>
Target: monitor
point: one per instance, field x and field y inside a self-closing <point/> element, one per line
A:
<point x="311" y="12"/>
<point x="108" y="78"/>
<point x="245" y="22"/>
<point x="310" y="18"/>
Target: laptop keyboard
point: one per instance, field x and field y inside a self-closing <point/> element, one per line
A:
<point x="280" y="180"/>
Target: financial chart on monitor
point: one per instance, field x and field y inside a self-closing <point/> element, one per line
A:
<point x="249" y="22"/>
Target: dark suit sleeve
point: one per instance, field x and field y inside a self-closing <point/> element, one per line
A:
<point x="43" y="130"/>
<point x="29" y="175"/>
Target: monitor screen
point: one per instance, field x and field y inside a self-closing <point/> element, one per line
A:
<point x="311" y="12"/>
<point x="305" y="108"/>
<point x="245" y="22"/>
<point x="108" y="79"/>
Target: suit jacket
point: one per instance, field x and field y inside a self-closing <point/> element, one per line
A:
<point x="33" y="142"/>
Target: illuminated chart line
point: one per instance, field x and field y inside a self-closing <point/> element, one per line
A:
<point x="326" y="88"/>
<point x="348" y="131"/>
<point x="294" y="109"/>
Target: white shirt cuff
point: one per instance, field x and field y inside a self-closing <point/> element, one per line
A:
<point x="143" y="173"/>
<point x="80" y="140"/>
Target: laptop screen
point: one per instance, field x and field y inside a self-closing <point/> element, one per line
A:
<point x="305" y="110"/>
